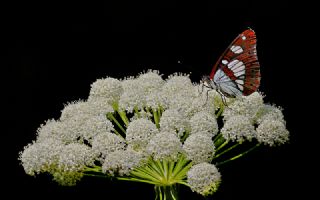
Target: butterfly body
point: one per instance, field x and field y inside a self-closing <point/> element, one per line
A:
<point x="237" y="71"/>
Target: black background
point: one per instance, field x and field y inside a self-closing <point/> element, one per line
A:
<point x="54" y="51"/>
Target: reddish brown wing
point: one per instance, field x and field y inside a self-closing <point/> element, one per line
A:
<point x="240" y="64"/>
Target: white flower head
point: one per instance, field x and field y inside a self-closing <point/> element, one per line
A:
<point x="73" y="109"/>
<point x="98" y="106"/>
<point x="199" y="148"/>
<point x="268" y="112"/>
<point x="96" y="125"/>
<point x="106" y="143"/>
<point x="40" y="156"/>
<point x="92" y="107"/>
<point x="204" y="122"/>
<point x="177" y="83"/>
<point x="248" y="106"/>
<point x="272" y="132"/>
<point x="238" y="128"/>
<point x="174" y="120"/>
<point x="164" y="145"/>
<point x="202" y="104"/>
<point x="150" y="81"/>
<point x="204" y="178"/>
<point x="191" y="104"/>
<point x="107" y="89"/>
<point x="73" y="129"/>
<point x="50" y="129"/>
<point x="74" y="157"/>
<point x="179" y="92"/>
<point x="139" y="132"/>
<point x="133" y="95"/>
<point x="156" y="99"/>
<point x="122" y="162"/>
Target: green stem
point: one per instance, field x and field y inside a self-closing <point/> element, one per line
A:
<point x="238" y="156"/>
<point x="217" y="137"/>
<point x="225" y="151"/>
<point x="156" y="117"/>
<point x="222" y="145"/>
<point x="185" y="135"/>
<point x="122" y="114"/>
<point x="136" y="110"/>
<point x="95" y="175"/>
<point x="111" y="117"/>
<point x="166" y="192"/>
<point x="159" y="112"/>
<point x="93" y="169"/>
<point x="220" y="111"/>
<point x="135" y="180"/>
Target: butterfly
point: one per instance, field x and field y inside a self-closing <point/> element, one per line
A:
<point x="237" y="71"/>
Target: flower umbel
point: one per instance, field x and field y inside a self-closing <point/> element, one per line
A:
<point x="164" y="132"/>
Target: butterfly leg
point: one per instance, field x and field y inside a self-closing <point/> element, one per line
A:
<point x="207" y="93"/>
<point x="223" y="98"/>
<point x="202" y="86"/>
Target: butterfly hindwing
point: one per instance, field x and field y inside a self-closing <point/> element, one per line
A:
<point x="237" y="72"/>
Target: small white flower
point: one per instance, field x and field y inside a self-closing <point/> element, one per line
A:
<point x="122" y="162"/>
<point x="164" y="145"/>
<point x="74" y="157"/>
<point x="106" y="143"/>
<point x="204" y="122"/>
<point x="40" y="156"/>
<point x="272" y="132"/>
<point x="248" y="106"/>
<point x="204" y="178"/>
<point x="107" y="89"/>
<point x="139" y="132"/>
<point x="173" y="120"/>
<point x="199" y="148"/>
<point x="238" y="128"/>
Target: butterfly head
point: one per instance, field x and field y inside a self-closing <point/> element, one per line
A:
<point x="207" y="82"/>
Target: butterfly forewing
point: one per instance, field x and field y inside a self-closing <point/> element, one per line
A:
<point x="237" y="72"/>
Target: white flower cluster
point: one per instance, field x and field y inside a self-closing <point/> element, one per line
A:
<point x="204" y="178"/>
<point x="107" y="143"/>
<point x="164" y="145"/>
<point x="126" y="122"/>
<point x="122" y="162"/>
<point x="139" y="133"/>
<point x="173" y="120"/>
<point x="199" y="148"/>
<point x="248" y="112"/>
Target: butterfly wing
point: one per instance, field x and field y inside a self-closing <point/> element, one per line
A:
<point x="237" y="72"/>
